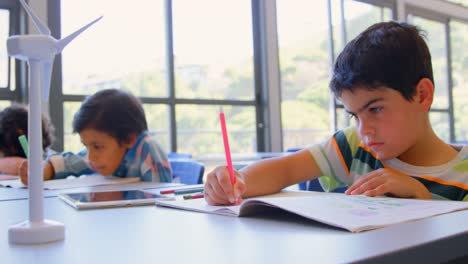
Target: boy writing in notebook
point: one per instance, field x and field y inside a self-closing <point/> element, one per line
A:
<point x="384" y="79"/>
<point x="112" y="126"/>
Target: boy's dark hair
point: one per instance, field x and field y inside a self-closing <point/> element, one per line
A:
<point x="388" y="54"/>
<point x="14" y="123"/>
<point x="112" y="111"/>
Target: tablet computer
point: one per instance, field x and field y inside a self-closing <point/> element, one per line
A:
<point x="90" y="200"/>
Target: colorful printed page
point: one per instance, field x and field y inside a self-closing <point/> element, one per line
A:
<point x="350" y="212"/>
<point x="74" y="182"/>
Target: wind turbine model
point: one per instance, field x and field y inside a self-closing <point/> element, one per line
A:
<point x="39" y="51"/>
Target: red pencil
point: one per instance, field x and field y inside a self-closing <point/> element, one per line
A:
<point x="227" y="150"/>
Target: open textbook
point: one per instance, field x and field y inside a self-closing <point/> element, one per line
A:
<point x="74" y="182"/>
<point x="355" y="213"/>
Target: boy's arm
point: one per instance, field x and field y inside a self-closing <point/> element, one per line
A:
<point x="60" y="166"/>
<point x="157" y="172"/>
<point x="10" y="165"/>
<point x="153" y="170"/>
<point x="154" y="163"/>
<point x="69" y="164"/>
<point x="272" y="175"/>
<point x="260" y="178"/>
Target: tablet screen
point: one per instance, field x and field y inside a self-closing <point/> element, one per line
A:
<point x="112" y="198"/>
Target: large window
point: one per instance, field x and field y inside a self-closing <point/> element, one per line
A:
<point x="213" y="60"/>
<point x="459" y="66"/>
<point x="213" y="49"/>
<point x="306" y="54"/>
<point x="460" y="2"/>
<point x="188" y="59"/>
<point x="9" y="79"/>
<point x="121" y="51"/>
<point x="9" y="25"/>
<point x="436" y="39"/>
<point x="184" y="59"/>
<point x="4" y="33"/>
<point x="358" y="16"/>
<point x="304" y="59"/>
<point x="447" y="44"/>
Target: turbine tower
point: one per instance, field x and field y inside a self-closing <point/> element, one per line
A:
<point x="39" y="52"/>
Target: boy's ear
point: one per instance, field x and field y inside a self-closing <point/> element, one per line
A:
<point x="131" y="140"/>
<point x="425" y="94"/>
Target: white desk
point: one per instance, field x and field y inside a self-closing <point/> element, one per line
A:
<point x="8" y="194"/>
<point x="160" y="235"/>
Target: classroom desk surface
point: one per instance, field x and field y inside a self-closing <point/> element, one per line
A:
<point x="150" y="234"/>
<point x="7" y="194"/>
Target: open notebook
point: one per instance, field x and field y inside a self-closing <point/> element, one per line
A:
<point x="353" y="213"/>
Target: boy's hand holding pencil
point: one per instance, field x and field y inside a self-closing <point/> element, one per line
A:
<point x="48" y="170"/>
<point x="223" y="184"/>
<point x="220" y="191"/>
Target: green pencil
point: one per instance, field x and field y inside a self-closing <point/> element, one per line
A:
<point x="193" y="196"/>
<point x="177" y="192"/>
<point x="24" y="144"/>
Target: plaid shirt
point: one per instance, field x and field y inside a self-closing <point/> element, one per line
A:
<point x="145" y="160"/>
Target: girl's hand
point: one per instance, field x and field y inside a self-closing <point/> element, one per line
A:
<point x="218" y="187"/>
<point x="10" y="165"/>
<point x="23" y="172"/>
<point x="48" y="171"/>
<point x="389" y="182"/>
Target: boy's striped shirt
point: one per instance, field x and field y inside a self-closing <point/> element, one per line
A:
<point x="343" y="159"/>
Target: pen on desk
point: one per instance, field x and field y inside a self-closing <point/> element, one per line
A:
<point x="193" y="196"/>
<point x="177" y="192"/>
<point x="227" y="150"/>
<point x="24" y="144"/>
<point x="182" y="191"/>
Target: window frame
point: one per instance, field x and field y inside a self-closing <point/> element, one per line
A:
<point x="266" y="66"/>
<point x="408" y="7"/>
<point x="59" y="99"/>
<point x="17" y="26"/>
<point x="445" y="21"/>
<point x="453" y="12"/>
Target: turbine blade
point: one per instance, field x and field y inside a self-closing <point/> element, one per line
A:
<point x="46" y="76"/>
<point x="64" y="42"/>
<point x="43" y="29"/>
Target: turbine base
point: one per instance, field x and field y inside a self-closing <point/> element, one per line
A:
<point x="27" y="232"/>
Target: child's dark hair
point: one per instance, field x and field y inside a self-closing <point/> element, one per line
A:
<point x="112" y="111"/>
<point x="14" y="123"/>
<point x="388" y="54"/>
